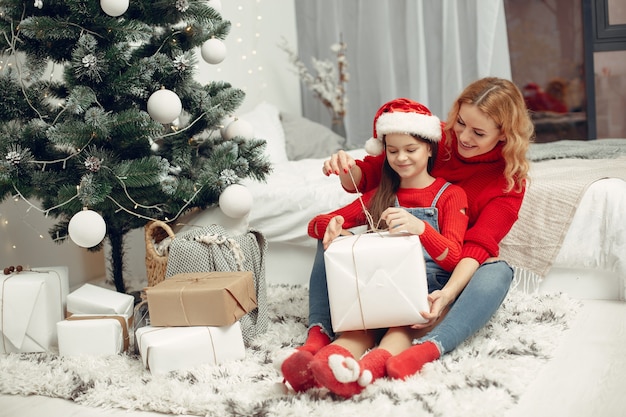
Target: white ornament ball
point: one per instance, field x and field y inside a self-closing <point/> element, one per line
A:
<point x="114" y="8"/>
<point x="235" y="201"/>
<point x="239" y="127"/>
<point x="164" y="106"/>
<point x="224" y="123"/>
<point x="87" y="228"/>
<point x="213" y="51"/>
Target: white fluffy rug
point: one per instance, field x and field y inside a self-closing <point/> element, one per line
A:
<point x="483" y="377"/>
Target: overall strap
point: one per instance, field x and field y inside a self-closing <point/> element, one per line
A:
<point x="441" y="190"/>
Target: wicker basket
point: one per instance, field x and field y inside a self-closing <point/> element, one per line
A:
<point x="156" y="264"/>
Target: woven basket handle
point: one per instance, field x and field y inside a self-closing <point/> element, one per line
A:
<point x="158" y="230"/>
<point x="155" y="232"/>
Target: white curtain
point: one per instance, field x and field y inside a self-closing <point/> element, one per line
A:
<point x="427" y="50"/>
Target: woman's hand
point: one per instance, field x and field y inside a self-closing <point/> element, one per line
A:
<point x="399" y="220"/>
<point x="439" y="301"/>
<point x="333" y="230"/>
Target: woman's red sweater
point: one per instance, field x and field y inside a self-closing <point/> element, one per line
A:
<point x="492" y="211"/>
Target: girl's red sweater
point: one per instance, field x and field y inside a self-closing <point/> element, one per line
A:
<point x="492" y="211"/>
<point x="443" y="246"/>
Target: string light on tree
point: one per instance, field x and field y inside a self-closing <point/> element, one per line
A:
<point x="114" y="8"/>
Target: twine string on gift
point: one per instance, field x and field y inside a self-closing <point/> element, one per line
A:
<point x="368" y="215"/>
<point x="3" y="299"/>
<point x="212" y="344"/>
<point x="373" y="228"/>
<point x="182" y="304"/>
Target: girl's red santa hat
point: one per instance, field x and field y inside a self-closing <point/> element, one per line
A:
<point x="403" y="115"/>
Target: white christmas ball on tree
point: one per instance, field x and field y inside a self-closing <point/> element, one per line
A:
<point x="87" y="228"/>
<point x="235" y="201"/>
<point x="224" y="124"/>
<point x="213" y="51"/>
<point x="239" y="127"/>
<point x="114" y="8"/>
<point x="164" y="106"/>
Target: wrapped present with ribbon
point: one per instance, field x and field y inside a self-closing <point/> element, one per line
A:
<point x="92" y="334"/>
<point x="201" y="299"/>
<point x="33" y="301"/>
<point x="376" y="280"/>
<point x="165" y="349"/>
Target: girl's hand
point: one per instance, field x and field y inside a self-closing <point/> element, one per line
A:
<point x="332" y="230"/>
<point x="438" y="301"/>
<point x="399" y="220"/>
<point x="338" y="164"/>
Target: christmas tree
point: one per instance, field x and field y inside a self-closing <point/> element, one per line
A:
<point x="125" y="134"/>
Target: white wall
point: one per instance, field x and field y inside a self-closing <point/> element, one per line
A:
<point x="254" y="63"/>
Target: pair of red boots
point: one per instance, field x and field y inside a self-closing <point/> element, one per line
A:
<point x="320" y="363"/>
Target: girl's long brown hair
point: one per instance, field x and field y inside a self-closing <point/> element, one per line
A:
<point x="503" y="102"/>
<point x="390" y="183"/>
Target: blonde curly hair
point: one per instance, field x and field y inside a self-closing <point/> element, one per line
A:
<point x="503" y="102"/>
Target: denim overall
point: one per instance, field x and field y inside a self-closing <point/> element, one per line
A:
<point x="436" y="276"/>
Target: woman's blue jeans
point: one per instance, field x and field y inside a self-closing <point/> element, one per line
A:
<point x="469" y="313"/>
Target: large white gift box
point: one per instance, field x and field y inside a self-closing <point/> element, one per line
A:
<point x="165" y="349"/>
<point x="33" y="301"/>
<point x="92" y="334"/>
<point x="376" y="280"/>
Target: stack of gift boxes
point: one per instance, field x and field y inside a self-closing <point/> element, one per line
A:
<point x="193" y="318"/>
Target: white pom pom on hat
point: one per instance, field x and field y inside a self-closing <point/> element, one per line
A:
<point x="403" y="115"/>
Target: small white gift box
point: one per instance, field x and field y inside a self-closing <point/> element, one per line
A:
<point x="165" y="349"/>
<point x="92" y="299"/>
<point x="33" y="301"/>
<point x="376" y="280"/>
<point x="91" y="334"/>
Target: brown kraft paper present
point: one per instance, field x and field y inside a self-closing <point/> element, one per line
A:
<point x="202" y="299"/>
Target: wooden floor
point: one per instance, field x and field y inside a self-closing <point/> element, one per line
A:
<point x="586" y="378"/>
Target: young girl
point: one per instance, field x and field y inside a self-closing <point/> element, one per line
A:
<point x="408" y="199"/>
<point x="488" y="132"/>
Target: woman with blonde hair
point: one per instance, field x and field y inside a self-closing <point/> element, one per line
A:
<point x="488" y="132"/>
